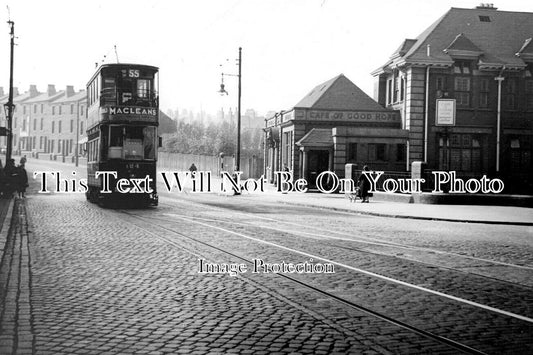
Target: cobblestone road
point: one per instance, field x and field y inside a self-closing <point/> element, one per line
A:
<point x="79" y="279"/>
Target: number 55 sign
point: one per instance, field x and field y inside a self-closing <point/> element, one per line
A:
<point x="445" y="112"/>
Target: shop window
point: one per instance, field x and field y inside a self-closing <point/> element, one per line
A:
<point x="287" y="151"/>
<point x="521" y="153"/>
<point x="464" y="152"/>
<point x="377" y="152"/>
<point x="352" y="153"/>
<point x="400" y="152"/>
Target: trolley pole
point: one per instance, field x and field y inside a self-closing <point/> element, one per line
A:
<point x="9" y="105"/>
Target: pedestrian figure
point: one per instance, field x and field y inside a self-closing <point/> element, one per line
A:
<point x="21" y="179"/>
<point x="10" y="178"/>
<point x="364" y="186"/>
<point x="23" y="161"/>
<point x="2" y="180"/>
<point x="193" y="168"/>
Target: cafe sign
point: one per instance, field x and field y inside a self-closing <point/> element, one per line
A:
<point x="354" y="116"/>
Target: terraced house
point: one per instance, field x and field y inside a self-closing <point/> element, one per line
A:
<point x="47" y="122"/>
<point x="464" y="88"/>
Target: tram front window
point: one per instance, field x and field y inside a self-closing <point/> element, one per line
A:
<point x="132" y="143"/>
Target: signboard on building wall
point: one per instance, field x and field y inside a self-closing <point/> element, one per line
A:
<point x="445" y="115"/>
<point x="353" y="116"/>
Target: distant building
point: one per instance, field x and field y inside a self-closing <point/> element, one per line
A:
<point x="481" y="61"/>
<point x="47" y="122"/>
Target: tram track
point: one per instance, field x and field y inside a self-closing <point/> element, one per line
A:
<point x="158" y="223"/>
<point x="362" y="250"/>
<point x="452" y="344"/>
<point x="341" y="236"/>
<point x="349" y="267"/>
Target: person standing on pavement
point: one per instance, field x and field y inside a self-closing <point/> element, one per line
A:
<point x="364" y="186"/>
<point x="10" y="178"/>
<point x="22" y="178"/>
<point x="2" y="179"/>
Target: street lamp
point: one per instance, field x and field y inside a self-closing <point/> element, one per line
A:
<point x="8" y="110"/>
<point x="9" y="107"/>
<point x="223" y="91"/>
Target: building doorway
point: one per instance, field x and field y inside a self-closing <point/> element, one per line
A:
<point x="318" y="162"/>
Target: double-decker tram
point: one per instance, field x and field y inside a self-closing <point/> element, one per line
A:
<point x="123" y="116"/>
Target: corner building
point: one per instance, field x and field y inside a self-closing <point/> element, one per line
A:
<point x="482" y="59"/>
<point x="335" y="124"/>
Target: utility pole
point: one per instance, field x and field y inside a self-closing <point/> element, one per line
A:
<point x="76" y="151"/>
<point x="238" y="162"/>
<point x="9" y="105"/>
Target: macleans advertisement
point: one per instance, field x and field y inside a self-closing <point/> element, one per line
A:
<point x="266" y="177"/>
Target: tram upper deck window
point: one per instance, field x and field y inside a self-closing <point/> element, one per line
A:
<point x="109" y="91"/>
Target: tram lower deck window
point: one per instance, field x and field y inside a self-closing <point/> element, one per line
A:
<point x="131" y="142"/>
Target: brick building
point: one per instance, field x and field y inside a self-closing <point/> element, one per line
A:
<point x="475" y="66"/>
<point x="335" y="124"/>
<point x="47" y="122"/>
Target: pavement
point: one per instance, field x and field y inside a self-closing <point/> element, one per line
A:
<point x="508" y="215"/>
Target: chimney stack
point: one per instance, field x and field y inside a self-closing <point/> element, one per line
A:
<point x="51" y="90"/>
<point x="69" y="91"/>
<point x="486" y="6"/>
<point x="33" y="91"/>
